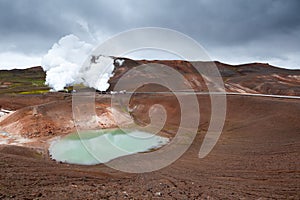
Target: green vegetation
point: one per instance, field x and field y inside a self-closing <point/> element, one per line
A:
<point x="27" y="81"/>
<point x="34" y="92"/>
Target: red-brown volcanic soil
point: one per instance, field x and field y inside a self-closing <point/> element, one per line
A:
<point x="256" y="157"/>
<point x="260" y="78"/>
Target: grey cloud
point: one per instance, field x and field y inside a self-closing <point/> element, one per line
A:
<point x="33" y="26"/>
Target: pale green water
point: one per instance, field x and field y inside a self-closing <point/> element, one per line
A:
<point x="94" y="147"/>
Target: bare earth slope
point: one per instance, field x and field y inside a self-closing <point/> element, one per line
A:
<point x="257" y="156"/>
<point x="247" y="78"/>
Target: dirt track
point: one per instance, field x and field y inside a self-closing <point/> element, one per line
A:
<point x="256" y="157"/>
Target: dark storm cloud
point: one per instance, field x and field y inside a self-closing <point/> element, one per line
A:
<point x="32" y="26"/>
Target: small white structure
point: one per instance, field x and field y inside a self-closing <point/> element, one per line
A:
<point x="4" y="112"/>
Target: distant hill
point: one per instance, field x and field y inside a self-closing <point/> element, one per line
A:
<point x="245" y="78"/>
<point x="23" y="81"/>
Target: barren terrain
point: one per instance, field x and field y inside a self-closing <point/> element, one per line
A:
<point x="256" y="157"/>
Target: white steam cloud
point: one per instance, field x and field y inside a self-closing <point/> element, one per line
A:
<point x="63" y="65"/>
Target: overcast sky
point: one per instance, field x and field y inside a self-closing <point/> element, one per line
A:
<point x="231" y="31"/>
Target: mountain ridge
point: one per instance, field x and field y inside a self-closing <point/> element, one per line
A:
<point x="243" y="78"/>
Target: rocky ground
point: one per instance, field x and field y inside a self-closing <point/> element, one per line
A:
<point x="256" y="157"/>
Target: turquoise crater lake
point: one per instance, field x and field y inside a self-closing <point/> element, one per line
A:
<point x="95" y="147"/>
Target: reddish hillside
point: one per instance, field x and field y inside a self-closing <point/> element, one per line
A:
<point x="246" y="78"/>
